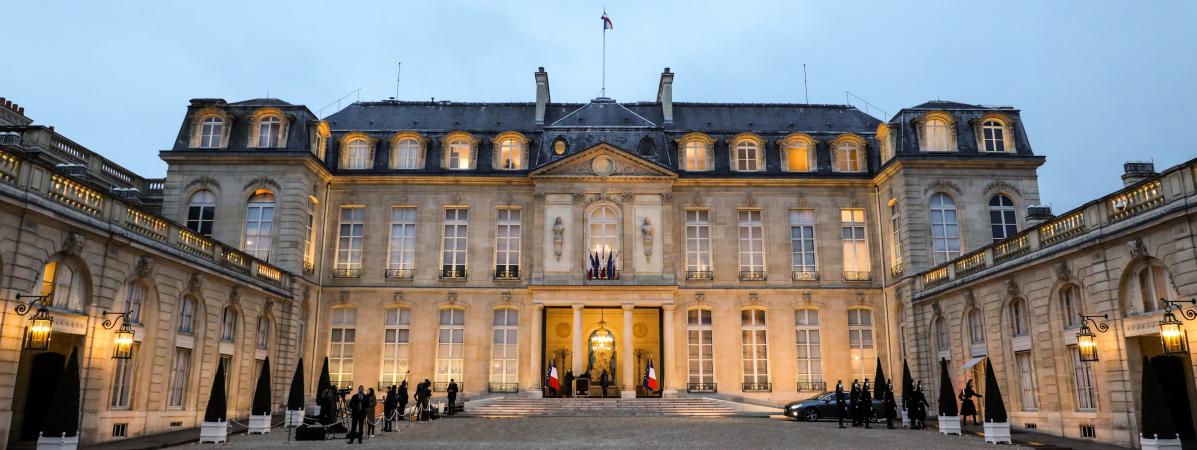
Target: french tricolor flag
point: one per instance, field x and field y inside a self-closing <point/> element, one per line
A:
<point x="607" y="22"/>
<point x="554" y="382"/>
<point x="650" y="377"/>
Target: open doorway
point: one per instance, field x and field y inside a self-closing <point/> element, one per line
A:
<point x="1170" y="371"/>
<point x="45" y="371"/>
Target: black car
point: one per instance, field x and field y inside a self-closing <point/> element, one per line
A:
<point x="822" y="406"/>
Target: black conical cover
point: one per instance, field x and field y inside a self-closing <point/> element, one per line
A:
<point x="63" y="419"/>
<point x="261" y="404"/>
<point x="217" y="407"/>
<point x="879" y="382"/>
<point x="995" y="408"/>
<point x="1157" y="418"/>
<point x="907" y="383"/>
<point x="295" y="397"/>
<point x="947" y="393"/>
<point x="325" y="381"/>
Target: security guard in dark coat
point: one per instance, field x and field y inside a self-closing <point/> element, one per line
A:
<point x="866" y="404"/>
<point x="452" y="392"/>
<point x="841" y="406"/>
<point x="854" y="403"/>
<point x="357" y="411"/>
<point x="891" y="406"/>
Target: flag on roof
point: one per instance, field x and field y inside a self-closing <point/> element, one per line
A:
<point x="607" y="21"/>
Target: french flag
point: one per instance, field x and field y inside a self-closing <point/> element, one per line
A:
<point x="554" y="382"/>
<point x="607" y="22"/>
<point x="650" y="377"/>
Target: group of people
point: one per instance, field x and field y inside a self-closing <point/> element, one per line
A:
<point x="859" y="404"/>
<point x="362" y="406"/>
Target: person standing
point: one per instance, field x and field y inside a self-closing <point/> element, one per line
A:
<point x="569" y="383"/>
<point x="371" y="411"/>
<point x="423" y="395"/>
<point x="891" y="406"/>
<point x="402" y="398"/>
<point x="918" y="408"/>
<point x="357" y="412"/>
<point x="604" y="381"/>
<point x="388" y="409"/>
<point x="866" y="404"/>
<point x="328" y="406"/>
<point x="854" y="403"/>
<point x="967" y="407"/>
<point x="841" y="406"/>
<point x="452" y="392"/>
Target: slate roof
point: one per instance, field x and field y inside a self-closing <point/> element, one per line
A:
<point x="602" y="112"/>
<point x="261" y="102"/>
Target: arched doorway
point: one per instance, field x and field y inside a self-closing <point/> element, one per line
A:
<point x="1170" y="371"/>
<point x="39" y="392"/>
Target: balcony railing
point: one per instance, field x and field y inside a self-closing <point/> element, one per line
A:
<point x="804" y="275"/>
<point x="1011" y="248"/>
<point x="438" y="386"/>
<point x="400" y="274"/>
<point x="76" y="195"/>
<point x="1140" y="198"/>
<point x="602" y="275"/>
<point x="453" y="273"/>
<point x="812" y="386"/>
<point x="708" y="388"/>
<point x="1062" y="228"/>
<point x="895" y="270"/>
<point x="309" y="267"/>
<point x="347" y="272"/>
<point x="858" y="275"/>
<point x="753" y="275"/>
<point x="970" y="263"/>
<point x="935" y="276"/>
<point x="699" y="275"/>
<point x="758" y="387"/>
<point x="507" y="272"/>
<point x="146" y="224"/>
<point x="10" y="166"/>
<point x="503" y="387"/>
<point x="236" y="260"/>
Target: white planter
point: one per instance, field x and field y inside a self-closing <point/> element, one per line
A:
<point x="905" y="419"/>
<point x="998" y="432"/>
<point x="1144" y="442"/>
<point x="293" y="418"/>
<point x="259" y="424"/>
<point x="949" y="425"/>
<point x="214" y="432"/>
<point x="61" y="442"/>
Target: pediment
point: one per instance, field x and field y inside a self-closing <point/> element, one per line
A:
<point x="603" y="161"/>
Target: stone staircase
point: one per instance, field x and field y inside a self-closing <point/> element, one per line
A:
<point x="591" y="407"/>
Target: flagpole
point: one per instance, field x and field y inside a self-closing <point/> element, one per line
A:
<point x="604" y="91"/>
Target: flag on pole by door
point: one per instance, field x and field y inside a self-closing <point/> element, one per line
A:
<point x="650" y="377"/>
<point x="607" y="22"/>
<point x="554" y="382"/>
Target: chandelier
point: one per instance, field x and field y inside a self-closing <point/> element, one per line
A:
<point x="602" y="341"/>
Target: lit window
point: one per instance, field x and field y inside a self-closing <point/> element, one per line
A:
<point x="511" y="154"/>
<point x="342" y="338"/>
<point x="945" y="233"/>
<point x="396" y="349"/>
<point x="407" y="155"/>
<point x="860" y="341"/>
<point x="993" y="135"/>
<point x="937" y="130"/>
<point x="507" y="243"/>
<point x="1070" y="306"/>
<point x="895" y="235"/>
<point x="1153" y="286"/>
<point x="810" y="365"/>
<point x="856" y="245"/>
<point x="455" y="240"/>
<point x="459" y="154"/>
<point x="755" y="351"/>
<point x="748" y="157"/>
<point x="848" y="157"/>
<point x="752" y="245"/>
<point x="604" y="236"/>
<point x="1084" y="380"/>
<point x="269" y="131"/>
<point x="402" y="255"/>
<point x="201" y="212"/>
<point x="212" y="133"/>
<point x="450" y="346"/>
<point x="802" y="241"/>
<point x="350" y="236"/>
<point x="357" y="155"/>
<point x="694" y="156"/>
<point x="309" y="236"/>
<point x="122" y="381"/>
<point x="1002" y="219"/>
<point x="698" y="244"/>
<point x="798" y="156"/>
<point x="64" y="285"/>
<point x="259" y="225"/>
<point x="134" y="293"/>
<point x="504" y="350"/>
<point x="701" y="349"/>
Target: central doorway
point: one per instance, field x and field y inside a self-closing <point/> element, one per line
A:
<point x="604" y="348"/>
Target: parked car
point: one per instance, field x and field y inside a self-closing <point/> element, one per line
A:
<point x="822" y="406"/>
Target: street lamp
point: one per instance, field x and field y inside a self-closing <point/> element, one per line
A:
<point x="37" y="334"/>
<point x="1172" y="330"/>
<point x="1086" y="341"/>
<point x="123" y="337"/>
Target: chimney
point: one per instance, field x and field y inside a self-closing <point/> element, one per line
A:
<point x="1136" y="171"/>
<point x="1037" y="214"/>
<point x="665" y="95"/>
<point x="542" y="94"/>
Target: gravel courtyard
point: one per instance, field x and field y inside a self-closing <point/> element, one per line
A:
<point x="628" y="432"/>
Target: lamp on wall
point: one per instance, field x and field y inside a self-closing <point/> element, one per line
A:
<point x="1086" y="341"/>
<point x="37" y="334"/>
<point x="1172" y="330"/>
<point x="122" y="342"/>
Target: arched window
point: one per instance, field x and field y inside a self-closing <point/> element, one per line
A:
<point x="1019" y="325"/>
<point x="860" y="342"/>
<point x="270" y="130"/>
<point x="848" y="157"/>
<point x="1070" y="306"/>
<point x="695" y="157"/>
<point x="259" y="225"/>
<point x="976" y="327"/>
<point x="64" y="284"/>
<point x="511" y="154"/>
<point x="798" y="156"/>
<point x="937" y="131"/>
<point x="748" y="156"/>
<point x="134" y="294"/>
<point x="504" y="350"/>
<point x="1152" y="285"/>
<point x="993" y="136"/>
<point x="603" y="243"/>
<point x="357" y="155"/>
<point x="186" y="315"/>
<point x="407" y="154"/>
<point x="1002" y="219"/>
<point x="201" y="212"/>
<point x="942" y="344"/>
<point x="228" y="325"/>
<point x="212" y="132"/>
<point x="459" y="157"/>
<point x="945" y="232"/>
<point x="263" y="340"/>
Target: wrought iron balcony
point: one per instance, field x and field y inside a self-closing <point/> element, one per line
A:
<point x="752" y="275"/>
<point x="699" y="275"/>
<point x="701" y="387"/>
<point x="895" y="270"/>
<point x="347" y="273"/>
<point x="439" y="386"/>
<point x="503" y="387"/>
<point x="804" y="275"/>
<point x="507" y="272"/>
<point x="400" y="274"/>
<point x="309" y="267"/>
<point x="602" y="275"/>
<point x="812" y="386"/>
<point x="858" y="275"/>
<point x="453" y="273"/>
<point x="758" y="387"/>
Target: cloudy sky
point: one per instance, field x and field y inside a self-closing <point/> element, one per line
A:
<point x="1099" y="83"/>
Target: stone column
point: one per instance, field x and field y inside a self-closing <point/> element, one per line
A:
<point x="629" y="362"/>
<point x="577" y="347"/>
<point x="538" y="374"/>
<point x="669" y="359"/>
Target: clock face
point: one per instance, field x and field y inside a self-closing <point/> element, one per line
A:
<point x="559" y="147"/>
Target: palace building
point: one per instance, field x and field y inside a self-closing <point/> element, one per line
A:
<point x="751" y="252"/>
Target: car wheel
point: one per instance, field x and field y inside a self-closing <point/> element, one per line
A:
<point x="811" y="415"/>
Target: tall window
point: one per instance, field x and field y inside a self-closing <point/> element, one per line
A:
<point x="65" y="284"/>
<point x="212" y="133"/>
<point x="698" y="244"/>
<point x="755" y="349"/>
<point x="263" y="338"/>
<point x="1084" y="380"/>
<point x="798" y="155"/>
<point x="259" y="225"/>
<point x="453" y="251"/>
<point x="201" y="212"/>
<point x="937" y="134"/>
<point x="134" y="294"/>
<point x="396" y="338"/>
<point x="604" y="234"/>
<point x="941" y="337"/>
<point x="227" y="362"/>
<point x="407" y="154"/>
<point x="228" y="325"/>
<point x="1002" y="217"/>
<point x="895" y="235"/>
<point x="700" y="349"/>
<point x="357" y="155"/>
<point x="993" y="133"/>
<point x="848" y="157"/>
<point x="402" y="254"/>
<point x="945" y="233"/>
<point x="1153" y="285"/>
<point x="1070" y="306"/>
<point x="504" y="349"/>
<point x="122" y="381"/>
<point x="309" y="236"/>
<point x="860" y="341"/>
<point x="752" y="245"/>
<point x="802" y="241"/>
<point x="748" y="156"/>
<point x="350" y="236"/>
<point x="186" y="315"/>
<point x="269" y="130"/>
<point x="856" y="246"/>
<point x="1028" y="385"/>
<point x="1019" y="323"/>
<point x="507" y="243"/>
<point x="459" y="154"/>
<point x="511" y="152"/>
<point x="976" y="327"/>
<point x="178" y="378"/>
<point x="450" y="345"/>
<point x="694" y="156"/>
<point x="810" y="366"/>
<point x="341" y="340"/>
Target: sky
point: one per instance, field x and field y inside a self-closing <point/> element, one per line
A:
<point x="1099" y="83"/>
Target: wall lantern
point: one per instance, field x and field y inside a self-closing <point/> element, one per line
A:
<point x="37" y="334"/>
<point x="1172" y="330"/>
<point x="122" y="342"/>
<point x="1086" y="341"/>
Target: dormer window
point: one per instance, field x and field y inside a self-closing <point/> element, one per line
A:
<point x="993" y="136"/>
<point x="937" y="132"/>
<point x="510" y="151"/>
<point x="357" y="156"/>
<point x="886" y="139"/>
<point x="747" y="153"/>
<point x="696" y="149"/>
<point x="459" y="151"/>
<point x="848" y="155"/>
<point x="407" y="154"/>
<point x="797" y="154"/>
<point x="210" y="128"/>
<point x="269" y="129"/>
<point x="212" y="132"/>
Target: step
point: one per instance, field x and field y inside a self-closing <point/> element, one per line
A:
<point x="575" y="407"/>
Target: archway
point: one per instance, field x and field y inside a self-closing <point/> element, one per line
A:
<point x="40" y="389"/>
